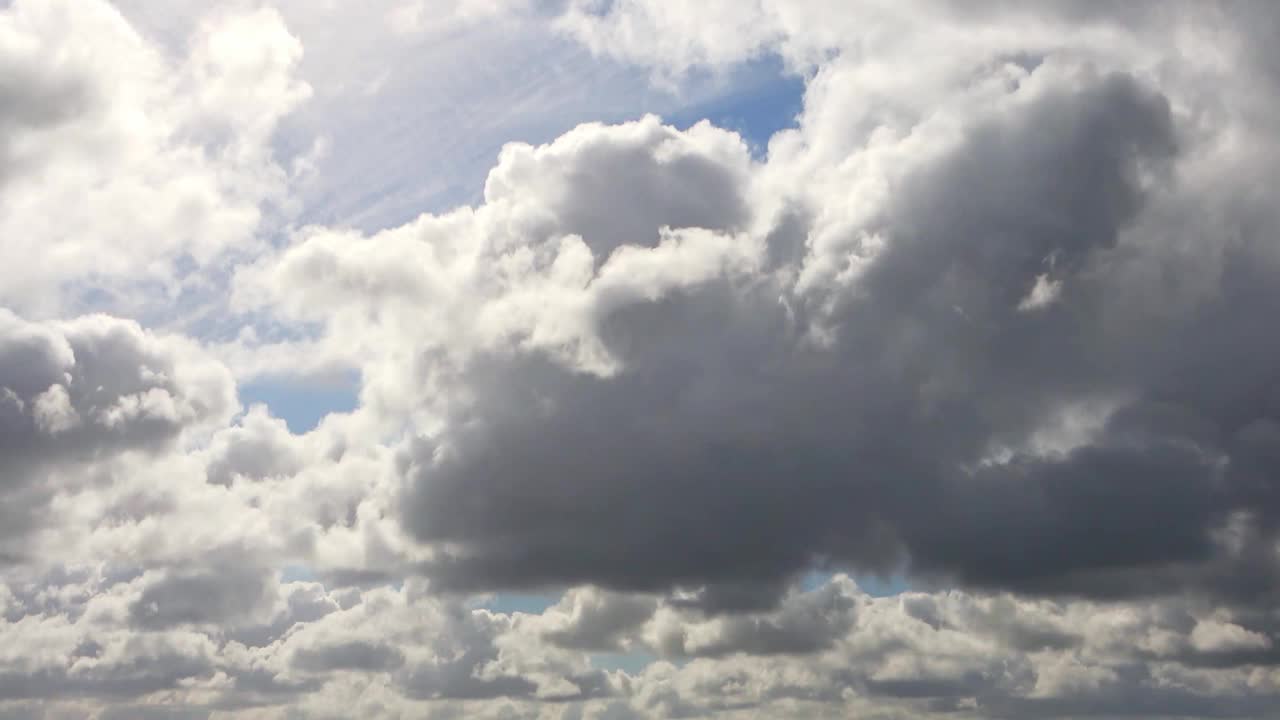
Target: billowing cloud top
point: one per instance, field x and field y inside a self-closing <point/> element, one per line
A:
<point x="958" y="396"/>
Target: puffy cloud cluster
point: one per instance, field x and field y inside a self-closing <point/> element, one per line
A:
<point x="993" y="317"/>
<point x="77" y="396"/>
<point x="305" y="651"/>
<point x="972" y="376"/>
<point x="125" y="168"/>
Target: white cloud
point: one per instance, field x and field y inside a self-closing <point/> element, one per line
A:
<point x="138" y="162"/>
<point x="53" y="412"/>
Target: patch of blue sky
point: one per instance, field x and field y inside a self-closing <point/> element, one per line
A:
<point x="297" y="573"/>
<point x="432" y="155"/>
<point x="303" y="402"/>
<point x="507" y="603"/>
<point x="759" y="98"/>
<point x="632" y="663"/>
<point x="872" y="585"/>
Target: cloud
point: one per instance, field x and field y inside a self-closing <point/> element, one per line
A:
<point x="829" y="649"/>
<point x="259" y="447"/>
<point x="76" y="394"/>
<point x="353" y="655"/>
<point x="993" y="317"/>
<point x="589" y="619"/>
<point x="207" y="596"/>
<point x="718" y="418"/>
<point x="822" y="377"/>
<point x="805" y="623"/>
<point x="134" y="162"/>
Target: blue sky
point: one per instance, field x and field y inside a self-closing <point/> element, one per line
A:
<point x="761" y="100"/>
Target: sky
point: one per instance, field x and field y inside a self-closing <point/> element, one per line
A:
<point x="634" y="359"/>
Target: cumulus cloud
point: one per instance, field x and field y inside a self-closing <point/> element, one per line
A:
<point x="589" y="619"/>
<point x="993" y="318"/>
<point x="137" y="164"/>
<point x="77" y="394"/>
<point x="830" y="646"/>
<point x="688" y="384"/>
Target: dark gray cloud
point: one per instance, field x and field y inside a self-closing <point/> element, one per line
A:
<point x="74" y="395"/>
<point x="96" y="386"/>
<point x="354" y="655"/>
<point x="728" y="453"/>
<point x="160" y="669"/>
<point x="804" y="624"/>
<point x="210" y="595"/>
